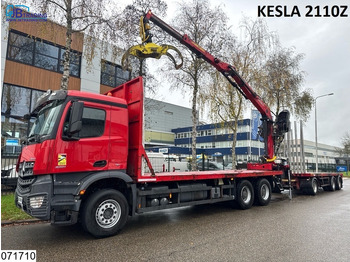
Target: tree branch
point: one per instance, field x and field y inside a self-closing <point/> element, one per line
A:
<point x="55" y="3"/>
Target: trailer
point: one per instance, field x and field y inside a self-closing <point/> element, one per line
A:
<point x="84" y="161"/>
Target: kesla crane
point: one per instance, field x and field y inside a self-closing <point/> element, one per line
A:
<point x="272" y="132"/>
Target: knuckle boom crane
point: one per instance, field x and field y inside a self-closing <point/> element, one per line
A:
<point x="271" y="131"/>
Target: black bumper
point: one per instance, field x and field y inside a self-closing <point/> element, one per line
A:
<point x="60" y="209"/>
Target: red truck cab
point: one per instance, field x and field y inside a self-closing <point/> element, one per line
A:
<point x="76" y="138"/>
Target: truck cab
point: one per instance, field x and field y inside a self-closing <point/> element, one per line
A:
<point x="76" y="137"/>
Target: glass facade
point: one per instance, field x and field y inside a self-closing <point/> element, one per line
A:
<point x="215" y="141"/>
<point x="36" y="52"/>
<point x="113" y="75"/>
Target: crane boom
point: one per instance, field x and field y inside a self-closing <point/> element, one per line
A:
<point x="231" y="74"/>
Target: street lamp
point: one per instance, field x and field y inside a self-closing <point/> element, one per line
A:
<point x="316" y="128"/>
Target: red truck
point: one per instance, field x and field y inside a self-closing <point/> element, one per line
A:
<point x="83" y="160"/>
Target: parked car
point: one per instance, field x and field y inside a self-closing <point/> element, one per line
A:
<point x="229" y="166"/>
<point x="209" y="165"/>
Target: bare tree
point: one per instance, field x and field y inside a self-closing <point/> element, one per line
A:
<point x="226" y="105"/>
<point x="282" y="83"/>
<point x="205" y="26"/>
<point x="129" y="31"/>
<point x="247" y="55"/>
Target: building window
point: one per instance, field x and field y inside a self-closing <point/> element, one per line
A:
<point x="20" y="48"/>
<point x="113" y="75"/>
<point x="39" y="53"/>
<point x="16" y="102"/>
<point x="74" y="66"/>
<point x="46" y="56"/>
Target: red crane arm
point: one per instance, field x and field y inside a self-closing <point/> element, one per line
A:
<point x="230" y="74"/>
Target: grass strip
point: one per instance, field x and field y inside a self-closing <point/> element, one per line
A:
<point x="9" y="211"/>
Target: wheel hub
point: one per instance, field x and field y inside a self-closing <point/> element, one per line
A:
<point x="108" y="213"/>
<point x="265" y="192"/>
<point x="245" y="194"/>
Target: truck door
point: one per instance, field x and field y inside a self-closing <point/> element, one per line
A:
<point x="87" y="150"/>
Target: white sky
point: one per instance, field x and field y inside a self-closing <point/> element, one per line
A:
<point x="325" y="41"/>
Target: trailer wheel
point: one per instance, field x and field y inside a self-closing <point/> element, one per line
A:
<point x="245" y="194"/>
<point x="104" y="213"/>
<point x="262" y="192"/>
<point x="338" y="183"/>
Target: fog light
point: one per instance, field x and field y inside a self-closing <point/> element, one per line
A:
<point x="36" y="202"/>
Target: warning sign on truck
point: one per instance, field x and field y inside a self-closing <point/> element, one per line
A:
<point x="62" y="159"/>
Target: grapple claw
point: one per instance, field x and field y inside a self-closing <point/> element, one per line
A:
<point x="151" y="50"/>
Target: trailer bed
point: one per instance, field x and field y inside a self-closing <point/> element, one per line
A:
<point x="306" y="175"/>
<point x="204" y="175"/>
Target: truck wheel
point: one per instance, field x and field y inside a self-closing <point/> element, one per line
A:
<point x="104" y="213"/>
<point x="313" y="187"/>
<point x="262" y="192"/>
<point x="245" y="194"/>
<point x="332" y="185"/>
<point x="338" y="183"/>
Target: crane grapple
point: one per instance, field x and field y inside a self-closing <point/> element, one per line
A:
<point x="148" y="49"/>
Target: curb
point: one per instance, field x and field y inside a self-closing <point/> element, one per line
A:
<point x="21" y="222"/>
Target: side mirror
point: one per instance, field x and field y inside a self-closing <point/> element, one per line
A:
<point x="26" y="117"/>
<point x="75" y="120"/>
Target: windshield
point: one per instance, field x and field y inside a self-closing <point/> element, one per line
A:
<point x="45" y="120"/>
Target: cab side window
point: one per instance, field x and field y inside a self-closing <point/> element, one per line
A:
<point x="93" y="122"/>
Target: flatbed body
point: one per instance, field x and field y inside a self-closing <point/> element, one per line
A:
<point x="205" y="175"/>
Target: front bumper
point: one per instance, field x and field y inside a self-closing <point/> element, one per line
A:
<point x="60" y="209"/>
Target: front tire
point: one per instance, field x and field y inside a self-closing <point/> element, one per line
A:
<point x="245" y="194"/>
<point x="105" y="213"/>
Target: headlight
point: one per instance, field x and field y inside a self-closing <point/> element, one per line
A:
<point x="36" y="202"/>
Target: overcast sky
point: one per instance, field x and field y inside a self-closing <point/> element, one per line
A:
<point x="325" y="41"/>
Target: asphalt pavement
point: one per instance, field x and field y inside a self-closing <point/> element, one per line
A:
<point x="307" y="228"/>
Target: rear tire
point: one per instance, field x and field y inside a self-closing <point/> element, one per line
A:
<point x="338" y="183"/>
<point x="310" y="187"/>
<point x="104" y="213"/>
<point x="313" y="186"/>
<point x="262" y="192"/>
<point x="245" y="194"/>
<point x="332" y="184"/>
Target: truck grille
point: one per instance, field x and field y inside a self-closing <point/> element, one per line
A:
<point x="23" y="184"/>
<point x="25" y="169"/>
